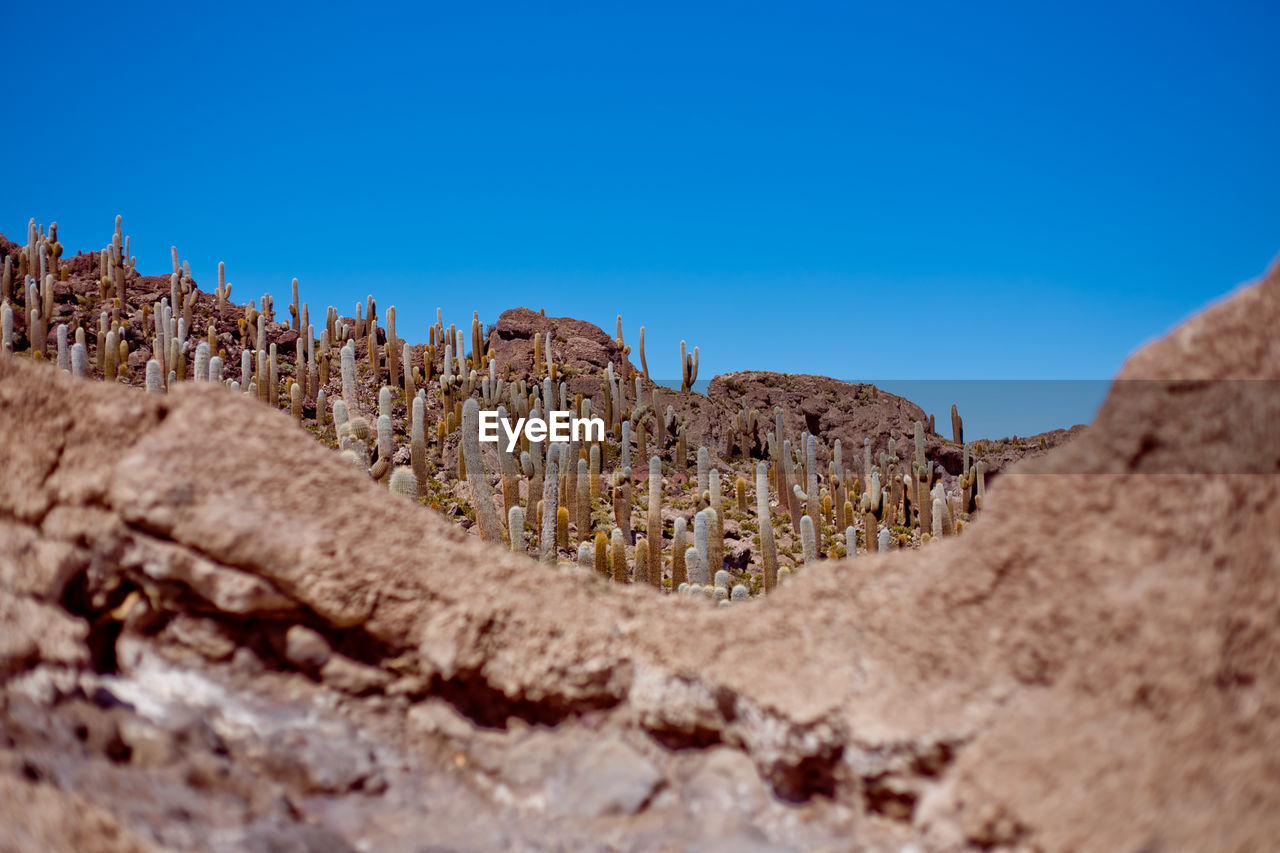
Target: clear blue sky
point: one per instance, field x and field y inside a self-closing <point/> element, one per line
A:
<point x="927" y="190"/>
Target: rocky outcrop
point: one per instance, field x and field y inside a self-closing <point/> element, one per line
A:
<point x="1094" y="664"/>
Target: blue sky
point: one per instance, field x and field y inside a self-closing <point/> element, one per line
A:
<point x="925" y="190"/>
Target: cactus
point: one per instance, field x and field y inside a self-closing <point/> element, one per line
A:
<point x="585" y="557"/>
<point x="688" y="368"/>
<point x="417" y="441"/>
<point x="653" y="527"/>
<point x="957" y="426"/>
<point x="704" y="466"/>
<point x="202" y="362"/>
<point x="349" y="375"/>
<point x="550" y="491"/>
<point x="702" y="543"/>
<point x="768" y="548"/>
<point x="715" y="536"/>
<point x="738" y="593"/>
<point x="594" y="482"/>
<point x="939" y="517"/>
<point x="808" y="540"/>
<point x="679" y="536"/>
<point x="154" y="383"/>
<point x="402" y="480"/>
<point x="562" y="527"/>
<point x="215" y="369"/>
<point x="643" y="563"/>
<point x="64" y="354"/>
<point x="80" y="360"/>
<point x="6" y="329"/>
<point x="850" y="541"/>
<point x="601" y="553"/>
<point x="697" y="571"/>
<point x="722" y="579"/>
<point x="618" y="555"/>
<point x="882" y="540"/>
<point x="386" y="405"/>
<point x="582" y="495"/>
<point x="740" y="493"/>
<point x="515" y="529"/>
<point x="482" y="492"/>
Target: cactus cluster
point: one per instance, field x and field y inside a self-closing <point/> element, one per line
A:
<point x="407" y="415"/>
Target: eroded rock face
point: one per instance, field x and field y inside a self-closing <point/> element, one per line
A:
<point x="1095" y="664"/>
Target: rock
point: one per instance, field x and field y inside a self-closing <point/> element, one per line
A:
<point x="607" y="778"/>
<point x="352" y="677"/>
<point x="306" y="648"/>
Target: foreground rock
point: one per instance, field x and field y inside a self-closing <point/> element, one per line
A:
<point x="223" y="637"/>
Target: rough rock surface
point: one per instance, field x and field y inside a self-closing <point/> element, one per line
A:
<point x="1095" y="664"/>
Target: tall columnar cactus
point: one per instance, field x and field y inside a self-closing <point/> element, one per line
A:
<point x="417" y="441"/>
<point x="883" y="540"/>
<point x="866" y="464"/>
<point x="704" y="468"/>
<point x="349" y="375"/>
<point x="869" y="523"/>
<point x="550" y="492"/>
<point x="808" y="540"/>
<point x="112" y="356"/>
<point x="653" y="528"/>
<point x="618" y="556"/>
<point x="583" y="498"/>
<point x="693" y="564"/>
<point x="850" y="541"/>
<point x="594" y="473"/>
<point x="80" y="360"/>
<point x="155" y="381"/>
<point x="740" y="493"/>
<point x="64" y="354"/>
<point x="702" y="543"/>
<point x="717" y="521"/>
<point x="768" y="548"/>
<point x="202" y="362"/>
<point x="939" y="517"/>
<point x="688" y="368"/>
<point x="295" y="405"/>
<point x="515" y="529"/>
<point x="601" y="553"/>
<point x="215" y="369"/>
<point x="562" y="528"/>
<point x="957" y="426"/>
<point x="6" y="325"/>
<point x="679" y="541"/>
<point x="813" y="504"/>
<point x="482" y="492"/>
